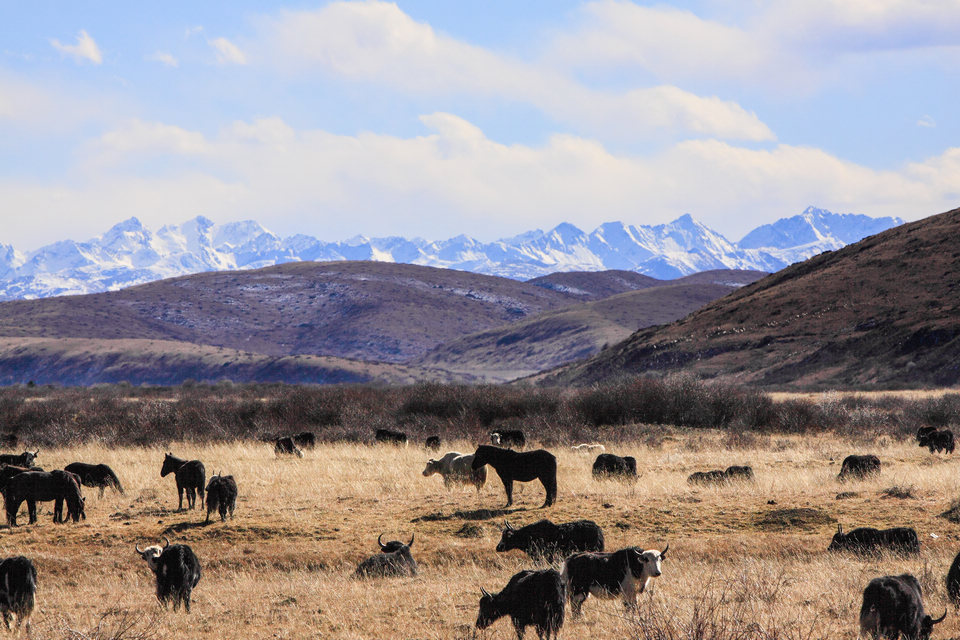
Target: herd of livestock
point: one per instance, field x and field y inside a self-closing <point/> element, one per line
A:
<point x="892" y="605"/>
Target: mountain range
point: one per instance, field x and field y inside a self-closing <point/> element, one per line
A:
<point x="130" y="253"/>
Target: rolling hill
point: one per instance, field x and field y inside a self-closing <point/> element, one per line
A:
<point x="884" y="311"/>
<point x="557" y="337"/>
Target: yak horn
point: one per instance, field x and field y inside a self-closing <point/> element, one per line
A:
<point x="137" y="547"/>
<point x="410" y="544"/>
<point x="940" y="619"/>
<point x="507" y="524"/>
<point x="664" y="552"/>
<point x="484" y="592"/>
<point x="382" y="548"/>
<point x="166" y="543"/>
<point x="839" y="528"/>
<point x="36" y="452"/>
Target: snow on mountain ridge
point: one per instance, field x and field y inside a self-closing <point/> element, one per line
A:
<point x="129" y="253"/>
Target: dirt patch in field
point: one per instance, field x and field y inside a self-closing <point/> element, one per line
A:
<point x="800" y="518"/>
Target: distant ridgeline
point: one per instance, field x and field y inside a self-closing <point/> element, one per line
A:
<point x="130" y="254"/>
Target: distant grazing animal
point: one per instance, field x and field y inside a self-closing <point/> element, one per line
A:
<point x="42" y="486"/>
<point x="608" y="465"/>
<point x="953" y="582"/>
<point x="18" y="587"/>
<point x="531" y="598"/>
<point x="433" y="442"/>
<point x="177" y="571"/>
<point x="544" y="539"/>
<point x="390" y="437"/>
<point x="305" y="440"/>
<point x="393" y="545"/>
<point x="622" y="573"/>
<point x="589" y="448"/>
<point x="95" y="475"/>
<point x="939" y="440"/>
<point x="24" y="459"/>
<point x="396" y="562"/>
<point x="508" y="438"/>
<point x="869" y="540"/>
<point x="221" y="496"/>
<point x="707" y="477"/>
<point x="520" y="466"/>
<point x="859" y="467"/>
<point x="190" y="475"/>
<point x="893" y="605"/>
<point x="285" y="446"/>
<point x="923" y="433"/>
<point x="456" y="468"/>
<point x="739" y="472"/>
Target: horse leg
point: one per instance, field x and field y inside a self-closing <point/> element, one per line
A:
<point x="180" y="493"/>
<point x="508" y="487"/>
<point x="550" y="486"/>
<point x="32" y="510"/>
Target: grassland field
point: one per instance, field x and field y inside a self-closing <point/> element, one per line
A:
<point x="282" y="568"/>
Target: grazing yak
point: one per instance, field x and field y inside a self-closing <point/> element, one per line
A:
<point x="937" y="440"/>
<point x="869" y="540"/>
<point x="508" y="438"/>
<point x="18" y="588"/>
<point x="95" y="475"/>
<point x="286" y="446"/>
<point x="622" y="573"/>
<point x="24" y="459"/>
<point x="859" y="467"/>
<point x="520" y="466"/>
<point x="42" y="486"/>
<point x="305" y="439"/>
<point x="544" y="539"/>
<point x="177" y="571"/>
<point x="953" y="582"/>
<point x="608" y="465"/>
<point x="433" y="443"/>
<point x="394" y="559"/>
<point x="531" y="598"/>
<point x="190" y="476"/>
<point x="390" y="437"/>
<point x="221" y="496"/>
<point x="456" y="468"/>
<point x="732" y="473"/>
<point x="893" y="605"/>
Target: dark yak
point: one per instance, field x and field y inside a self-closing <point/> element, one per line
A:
<point x="520" y="466"/>
<point x="622" y="573"/>
<point x="285" y="446"/>
<point x="24" y="459"/>
<point x="922" y="434"/>
<point x="859" y="467"/>
<point x="390" y="437"/>
<point x="531" y="598"/>
<point x="608" y="465"/>
<point x="544" y="539"/>
<point x="739" y="472"/>
<point x="221" y="496"/>
<point x="42" y="486"/>
<point x="939" y="440"/>
<point x="508" y="438"/>
<point x="953" y="582"/>
<point x="395" y="559"/>
<point x="18" y="588"/>
<point x="190" y="476"/>
<point x="869" y="540"/>
<point x="177" y="571"/>
<point x="707" y="477"/>
<point x="95" y="475"/>
<point x="433" y="442"/>
<point x="893" y="605"/>
<point x="305" y="440"/>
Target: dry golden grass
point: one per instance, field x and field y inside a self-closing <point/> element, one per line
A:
<point x="282" y="568"/>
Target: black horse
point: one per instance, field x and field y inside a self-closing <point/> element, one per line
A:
<point x="520" y="466"/>
<point x="41" y="486"/>
<point x="190" y="476"/>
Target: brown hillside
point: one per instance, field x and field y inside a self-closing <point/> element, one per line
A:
<point x="557" y="337"/>
<point x="883" y="311"/>
<point x="360" y="310"/>
<point x="595" y="285"/>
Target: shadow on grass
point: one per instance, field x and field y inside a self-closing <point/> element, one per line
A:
<point x="180" y="527"/>
<point x="475" y="514"/>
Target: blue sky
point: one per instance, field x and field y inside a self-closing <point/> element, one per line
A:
<point x="434" y="118"/>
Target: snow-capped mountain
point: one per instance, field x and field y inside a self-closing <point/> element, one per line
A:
<point x="130" y="253"/>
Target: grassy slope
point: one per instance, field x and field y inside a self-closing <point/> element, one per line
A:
<point x="282" y="567"/>
<point x="882" y="311"/>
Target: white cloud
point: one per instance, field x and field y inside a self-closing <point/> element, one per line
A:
<point x="85" y="48"/>
<point x="454" y="179"/>
<point x="927" y="121"/>
<point x="227" y="52"/>
<point x="189" y="32"/>
<point x="164" y="58"/>
<point x="377" y="42"/>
